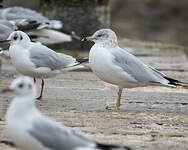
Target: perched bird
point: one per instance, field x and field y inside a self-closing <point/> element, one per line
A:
<point x="49" y="36"/>
<point x="36" y="32"/>
<point x="36" y="60"/>
<point x="6" y="28"/>
<point x="38" y="27"/>
<point x="18" y="14"/>
<point x="115" y="65"/>
<point x="30" y="130"/>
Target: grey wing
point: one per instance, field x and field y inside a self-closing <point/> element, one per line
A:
<point x="17" y="13"/>
<point x="57" y="137"/>
<point x="42" y="56"/>
<point x="136" y="68"/>
<point x="20" y="13"/>
<point x="8" y="24"/>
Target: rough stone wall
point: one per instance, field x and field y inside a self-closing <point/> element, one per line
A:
<point x="82" y="16"/>
<point x="33" y="4"/>
<point x="151" y="20"/>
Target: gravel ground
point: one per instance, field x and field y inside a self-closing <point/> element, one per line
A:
<point x="153" y="118"/>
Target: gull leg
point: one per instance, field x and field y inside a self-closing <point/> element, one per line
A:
<point x="118" y="102"/>
<point x="41" y="92"/>
<point x="34" y="80"/>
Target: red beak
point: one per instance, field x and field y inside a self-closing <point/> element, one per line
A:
<point x="6" y="90"/>
<point x="5" y="41"/>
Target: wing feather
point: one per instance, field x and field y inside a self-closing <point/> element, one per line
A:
<point x="42" y="56"/>
<point x="54" y="136"/>
<point x="136" y="68"/>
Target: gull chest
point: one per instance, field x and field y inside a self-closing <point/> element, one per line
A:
<point x="20" y="59"/>
<point x="99" y="61"/>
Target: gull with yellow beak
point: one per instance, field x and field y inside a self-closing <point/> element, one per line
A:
<point x="115" y="65"/>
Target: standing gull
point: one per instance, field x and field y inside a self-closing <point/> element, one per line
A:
<point x="30" y="130"/>
<point x="115" y="65"/>
<point x="36" y="60"/>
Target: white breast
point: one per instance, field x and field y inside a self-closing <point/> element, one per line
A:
<point x="100" y="61"/>
<point x="18" y="122"/>
<point x="20" y="59"/>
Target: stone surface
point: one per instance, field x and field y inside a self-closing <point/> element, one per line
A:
<point x="83" y="17"/>
<point x="161" y="20"/>
<point x="150" y="118"/>
<point x="34" y="4"/>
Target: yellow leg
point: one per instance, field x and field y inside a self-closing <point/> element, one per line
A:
<point x="118" y="102"/>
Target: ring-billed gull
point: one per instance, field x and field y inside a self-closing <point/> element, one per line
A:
<point x="117" y="66"/>
<point x="30" y="130"/>
<point x="36" y="60"/>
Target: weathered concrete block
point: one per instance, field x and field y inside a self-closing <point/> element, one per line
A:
<point x="82" y="16"/>
<point x="34" y="4"/>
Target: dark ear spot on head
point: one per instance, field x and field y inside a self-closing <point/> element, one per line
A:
<point x="21" y="37"/>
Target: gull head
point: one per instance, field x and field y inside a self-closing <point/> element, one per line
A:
<point x="17" y="37"/>
<point x="22" y="86"/>
<point x="103" y="36"/>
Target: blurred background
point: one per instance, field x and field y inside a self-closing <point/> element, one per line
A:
<point x="148" y="20"/>
<point x="151" y="20"/>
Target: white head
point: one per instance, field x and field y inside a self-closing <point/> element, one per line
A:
<point x="103" y="36"/>
<point x="17" y="37"/>
<point x="22" y="87"/>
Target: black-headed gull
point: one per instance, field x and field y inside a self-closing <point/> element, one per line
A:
<point x="115" y="65"/>
<point x="30" y="130"/>
<point x="36" y="60"/>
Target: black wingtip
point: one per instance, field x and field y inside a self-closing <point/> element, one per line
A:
<point x="176" y="82"/>
<point x="82" y="60"/>
<point x="10" y="143"/>
<point x="112" y="147"/>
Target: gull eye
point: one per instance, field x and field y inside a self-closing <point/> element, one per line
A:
<point x="100" y="35"/>
<point x="21" y="37"/>
<point x="20" y="85"/>
<point x="15" y="37"/>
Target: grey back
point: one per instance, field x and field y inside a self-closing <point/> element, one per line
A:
<point x="42" y="56"/>
<point x="136" y="68"/>
<point x="57" y="137"/>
